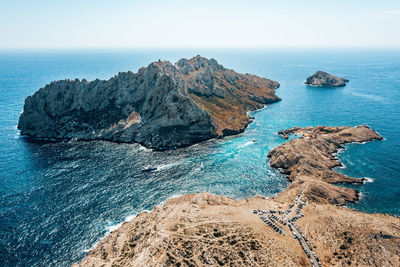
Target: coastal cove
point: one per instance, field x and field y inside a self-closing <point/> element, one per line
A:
<point x="67" y="196"/>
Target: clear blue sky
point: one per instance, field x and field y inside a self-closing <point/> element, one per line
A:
<point x="174" y="23"/>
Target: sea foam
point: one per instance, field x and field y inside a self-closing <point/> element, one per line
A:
<point x="245" y="144"/>
<point x="368" y="180"/>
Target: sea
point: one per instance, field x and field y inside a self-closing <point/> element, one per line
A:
<point x="57" y="200"/>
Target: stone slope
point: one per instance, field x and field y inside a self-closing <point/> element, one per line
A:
<point x="196" y="230"/>
<point x="210" y="230"/>
<point x="226" y="94"/>
<point x="309" y="160"/>
<point x="321" y="78"/>
<point x="161" y="106"/>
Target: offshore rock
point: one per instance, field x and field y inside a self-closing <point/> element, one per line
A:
<point x="321" y="78"/>
<point x="161" y="106"/>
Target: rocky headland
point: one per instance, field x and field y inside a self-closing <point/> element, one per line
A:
<point x="210" y="230"/>
<point x="163" y="105"/>
<point x="309" y="160"/>
<point x="321" y="78"/>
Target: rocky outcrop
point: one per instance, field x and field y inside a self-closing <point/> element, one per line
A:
<point x="309" y="161"/>
<point x="161" y="106"/>
<point x="225" y="94"/>
<point x="321" y="78"/>
<point x="209" y="230"/>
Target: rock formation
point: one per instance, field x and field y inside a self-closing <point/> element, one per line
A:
<point x="309" y="160"/>
<point x="161" y="106"/>
<point x="209" y="230"/>
<point x="321" y="78"/>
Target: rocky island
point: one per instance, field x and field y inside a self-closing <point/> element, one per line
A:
<point x="304" y="225"/>
<point x="321" y="78"/>
<point x="161" y="106"/>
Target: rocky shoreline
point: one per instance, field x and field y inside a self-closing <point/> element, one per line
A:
<point x="162" y="106"/>
<point x="205" y="229"/>
<point x="309" y="161"/>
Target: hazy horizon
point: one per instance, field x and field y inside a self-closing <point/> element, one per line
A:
<point x="104" y="24"/>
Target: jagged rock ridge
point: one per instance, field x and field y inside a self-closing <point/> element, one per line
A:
<point x="162" y="105"/>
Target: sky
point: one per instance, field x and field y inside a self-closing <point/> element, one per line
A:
<point x="196" y="24"/>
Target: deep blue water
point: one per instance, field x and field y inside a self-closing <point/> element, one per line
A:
<point x="58" y="199"/>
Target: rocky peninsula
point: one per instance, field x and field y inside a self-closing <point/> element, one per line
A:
<point x="205" y="229"/>
<point x="161" y="106"/>
<point x="309" y="160"/>
<point x="321" y="78"/>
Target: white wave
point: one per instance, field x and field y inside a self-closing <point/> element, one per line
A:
<point x="256" y="111"/>
<point x="342" y="166"/>
<point x="228" y="154"/>
<point x="368" y="180"/>
<point x="162" y="203"/>
<point x="245" y="144"/>
<point x="75" y="165"/>
<point x="110" y="227"/>
<point x="144" y="148"/>
<point x="361" y="143"/>
<point x="167" y="166"/>
<point x="338" y="152"/>
<point x="86" y="250"/>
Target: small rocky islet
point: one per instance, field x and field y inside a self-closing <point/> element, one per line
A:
<point x="324" y="79"/>
<point x="161" y="106"/>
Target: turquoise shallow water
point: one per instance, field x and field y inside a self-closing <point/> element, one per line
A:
<point x="58" y="199"/>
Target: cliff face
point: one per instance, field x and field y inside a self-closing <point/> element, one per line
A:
<point x="225" y="94"/>
<point x="321" y="78"/>
<point x="163" y="105"/>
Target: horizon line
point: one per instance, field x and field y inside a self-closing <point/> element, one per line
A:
<point x="392" y="47"/>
